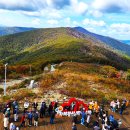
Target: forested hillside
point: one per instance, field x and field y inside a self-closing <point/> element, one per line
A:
<point x="43" y="46"/>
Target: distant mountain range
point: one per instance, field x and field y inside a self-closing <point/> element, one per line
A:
<point x="13" y="30"/>
<point x="52" y="45"/>
<point x="126" y="41"/>
<point x="116" y="44"/>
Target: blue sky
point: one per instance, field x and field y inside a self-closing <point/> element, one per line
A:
<point x="106" y="17"/>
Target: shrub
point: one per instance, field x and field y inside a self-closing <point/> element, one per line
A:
<point x="1" y="90"/>
<point x="22" y="93"/>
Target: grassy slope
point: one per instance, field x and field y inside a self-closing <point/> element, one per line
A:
<point x="54" y="45"/>
<point x="89" y="81"/>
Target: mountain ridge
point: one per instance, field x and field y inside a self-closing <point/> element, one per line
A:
<point x="116" y="44"/>
<point x="51" y="45"/>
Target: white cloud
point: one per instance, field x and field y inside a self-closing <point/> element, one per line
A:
<point x="51" y="13"/>
<point x="52" y="22"/>
<point x="27" y="5"/>
<point x="36" y="21"/>
<point x="33" y="13"/>
<point x="120" y="27"/>
<point x="111" y="6"/>
<point x="79" y="7"/>
<point x="75" y="23"/>
<point x="32" y="5"/>
<point x="96" y="13"/>
<point x="91" y="22"/>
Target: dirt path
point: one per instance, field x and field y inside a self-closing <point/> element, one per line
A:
<point x="12" y="82"/>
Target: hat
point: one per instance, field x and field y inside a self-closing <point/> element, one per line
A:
<point x="8" y="109"/>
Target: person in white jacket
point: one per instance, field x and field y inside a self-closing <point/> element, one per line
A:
<point x="6" y="123"/>
<point x="26" y="106"/>
<point x="89" y="113"/>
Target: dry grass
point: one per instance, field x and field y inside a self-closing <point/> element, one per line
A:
<point x="89" y="81"/>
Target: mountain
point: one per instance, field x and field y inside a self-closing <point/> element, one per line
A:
<point x="53" y="45"/>
<point x="13" y="30"/>
<point x="116" y="44"/>
<point x="126" y="41"/>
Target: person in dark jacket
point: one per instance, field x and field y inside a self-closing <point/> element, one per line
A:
<point x="74" y="119"/>
<point x="36" y="118"/>
<point x="43" y="109"/>
<point x="123" y="106"/>
<point x="74" y="127"/>
<point x="15" y="112"/>
<point x="56" y="105"/>
<point x="96" y="125"/>
<point x="50" y="109"/>
<point x="52" y="116"/>
<point x="35" y="105"/>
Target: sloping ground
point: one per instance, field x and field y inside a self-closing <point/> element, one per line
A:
<point x="88" y="81"/>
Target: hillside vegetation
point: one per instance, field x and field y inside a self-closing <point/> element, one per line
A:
<point x="88" y="81"/>
<point x="43" y="46"/>
<point x="81" y="80"/>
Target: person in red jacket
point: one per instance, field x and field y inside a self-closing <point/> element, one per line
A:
<point x="23" y="120"/>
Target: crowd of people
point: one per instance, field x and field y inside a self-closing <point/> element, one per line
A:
<point x="103" y="121"/>
<point x="30" y="117"/>
<point x="117" y="106"/>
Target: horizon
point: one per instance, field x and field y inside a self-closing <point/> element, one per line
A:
<point x="110" y="18"/>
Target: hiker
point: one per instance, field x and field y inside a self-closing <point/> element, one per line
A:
<point x="115" y="124"/>
<point x="12" y="126"/>
<point x="127" y="103"/>
<point x="30" y="117"/>
<point x="74" y="126"/>
<point x="89" y="113"/>
<point x="8" y="104"/>
<point x="123" y="106"/>
<point x="4" y="110"/>
<point x="15" y="112"/>
<point x="50" y="109"/>
<point x="26" y="106"/>
<point x="118" y="104"/>
<point x="96" y="125"/>
<point x="36" y="118"/>
<point x="35" y="105"/>
<point x="7" y="113"/>
<point x="74" y="119"/>
<point x="52" y="116"/>
<point x="6" y="122"/>
<point x="83" y="115"/>
<point x="56" y="104"/>
<point x="15" y="104"/>
<point x="111" y="118"/>
<point x="43" y="109"/>
<point x="113" y="106"/>
<point x="96" y="109"/>
<point x="103" y="124"/>
<point x="23" y="120"/>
